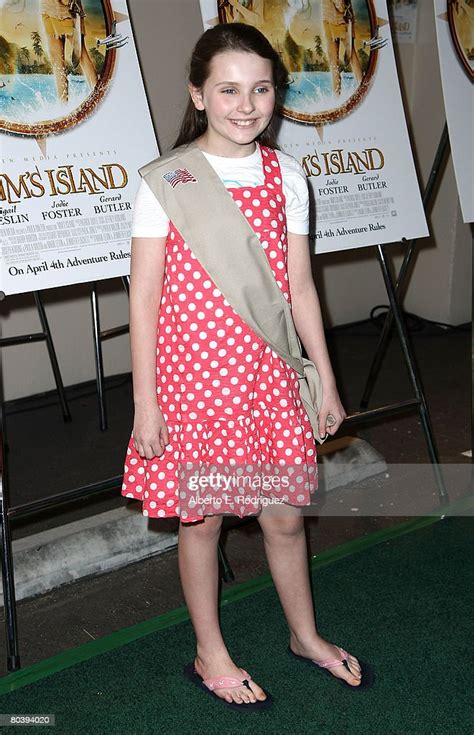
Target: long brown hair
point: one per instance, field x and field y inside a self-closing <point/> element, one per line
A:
<point x="228" y="37"/>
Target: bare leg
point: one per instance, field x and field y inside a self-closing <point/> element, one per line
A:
<point x="198" y="566"/>
<point x="285" y="546"/>
<point x="56" y="55"/>
<point x="355" y="64"/>
<point x="87" y="66"/>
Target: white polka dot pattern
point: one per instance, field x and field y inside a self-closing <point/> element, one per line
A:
<point x="226" y="396"/>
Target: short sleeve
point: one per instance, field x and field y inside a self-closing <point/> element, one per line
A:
<point x="148" y="217"/>
<point x="295" y="188"/>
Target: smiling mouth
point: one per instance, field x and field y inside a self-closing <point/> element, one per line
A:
<point x="243" y="123"/>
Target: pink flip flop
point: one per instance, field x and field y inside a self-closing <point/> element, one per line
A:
<point x="368" y="676"/>
<point x="219" y="682"/>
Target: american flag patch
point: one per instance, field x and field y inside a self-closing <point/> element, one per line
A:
<point x="179" y="176"/>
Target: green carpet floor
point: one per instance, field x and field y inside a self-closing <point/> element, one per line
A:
<point x="404" y="604"/>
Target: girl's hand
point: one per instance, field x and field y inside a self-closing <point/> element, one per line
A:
<point x="149" y="431"/>
<point x="331" y="405"/>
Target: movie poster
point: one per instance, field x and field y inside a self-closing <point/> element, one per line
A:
<point x="455" y="32"/>
<point x="74" y="128"/>
<point x="342" y="116"/>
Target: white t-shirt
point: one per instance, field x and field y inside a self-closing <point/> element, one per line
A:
<point x="150" y="220"/>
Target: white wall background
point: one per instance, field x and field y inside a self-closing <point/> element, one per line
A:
<point x="349" y="283"/>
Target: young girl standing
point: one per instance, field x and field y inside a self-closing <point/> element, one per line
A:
<point x="206" y="387"/>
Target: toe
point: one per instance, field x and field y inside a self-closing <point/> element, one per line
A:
<point x="258" y="693"/>
<point x="354" y="677"/>
<point x="248" y="695"/>
<point x="238" y="696"/>
<point x="354" y="666"/>
<point x="230" y="695"/>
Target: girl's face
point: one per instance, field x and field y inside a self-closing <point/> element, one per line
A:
<point x="239" y="98"/>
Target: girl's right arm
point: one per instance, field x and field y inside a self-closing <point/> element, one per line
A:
<point x="146" y="284"/>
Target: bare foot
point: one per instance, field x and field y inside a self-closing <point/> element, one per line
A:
<point x="208" y="669"/>
<point x="320" y="649"/>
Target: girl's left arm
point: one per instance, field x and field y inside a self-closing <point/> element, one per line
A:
<point x="309" y="325"/>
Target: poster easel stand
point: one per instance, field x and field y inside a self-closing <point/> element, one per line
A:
<point x="98" y="336"/>
<point x="38" y="337"/>
<point x="394" y="312"/>
<point x="8" y="582"/>
<point x="415" y="379"/>
<point x="382" y="346"/>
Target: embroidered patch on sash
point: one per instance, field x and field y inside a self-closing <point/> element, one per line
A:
<point x="179" y="176"/>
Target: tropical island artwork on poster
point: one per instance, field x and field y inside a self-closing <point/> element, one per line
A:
<point x="342" y="117"/>
<point x="71" y="103"/>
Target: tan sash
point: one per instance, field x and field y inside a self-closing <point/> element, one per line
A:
<point x="212" y="225"/>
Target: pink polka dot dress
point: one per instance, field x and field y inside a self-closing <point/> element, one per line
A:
<point x="231" y="404"/>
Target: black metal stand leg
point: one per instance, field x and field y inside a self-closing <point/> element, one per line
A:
<point x="414" y="374"/>
<point x="52" y="356"/>
<point x="402" y="276"/>
<point x="126" y="284"/>
<point x="8" y="582"/>
<point x="99" y="365"/>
